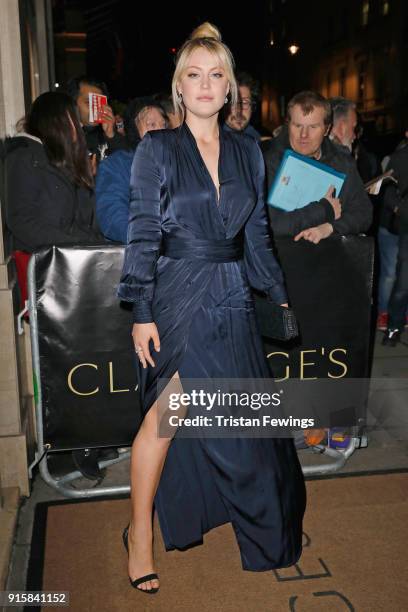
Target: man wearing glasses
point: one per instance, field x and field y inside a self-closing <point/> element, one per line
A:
<point x="239" y="116"/>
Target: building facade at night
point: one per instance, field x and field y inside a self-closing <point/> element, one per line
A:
<point x="355" y="48"/>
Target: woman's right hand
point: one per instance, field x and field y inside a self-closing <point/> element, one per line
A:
<point x="335" y="202"/>
<point x="142" y="333"/>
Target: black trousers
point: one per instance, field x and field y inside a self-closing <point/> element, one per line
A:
<point x="398" y="303"/>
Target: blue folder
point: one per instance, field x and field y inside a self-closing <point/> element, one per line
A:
<point x="301" y="180"/>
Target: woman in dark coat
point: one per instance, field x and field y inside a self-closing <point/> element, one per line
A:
<point x="197" y="194"/>
<point x="49" y="197"/>
<point x="49" y="185"/>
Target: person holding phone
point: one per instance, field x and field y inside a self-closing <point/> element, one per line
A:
<point x="101" y="135"/>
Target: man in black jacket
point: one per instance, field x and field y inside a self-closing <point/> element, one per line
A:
<point x="308" y="125"/>
<point x="396" y="201"/>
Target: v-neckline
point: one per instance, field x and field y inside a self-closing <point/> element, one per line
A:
<point x="205" y="167"/>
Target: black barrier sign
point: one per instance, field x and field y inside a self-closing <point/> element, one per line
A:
<point x="87" y="362"/>
<point x="88" y="374"/>
<point x="330" y="288"/>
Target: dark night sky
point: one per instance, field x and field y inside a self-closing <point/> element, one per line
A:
<point x="148" y="32"/>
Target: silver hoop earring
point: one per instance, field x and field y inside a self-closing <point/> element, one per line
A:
<point x="180" y="96"/>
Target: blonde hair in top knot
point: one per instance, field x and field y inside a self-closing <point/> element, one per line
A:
<point x="206" y="30"/>
<point x="205" y="36"/>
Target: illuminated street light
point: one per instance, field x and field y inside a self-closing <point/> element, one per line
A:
<point x="293" y="49"/>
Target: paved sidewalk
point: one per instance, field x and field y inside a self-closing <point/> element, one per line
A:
<point x="387" y="449"/>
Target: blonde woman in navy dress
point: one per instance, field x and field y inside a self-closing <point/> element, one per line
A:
<point x="197" y="240"/>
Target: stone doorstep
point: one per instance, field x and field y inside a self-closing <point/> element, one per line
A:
<point x="8" y="520"/>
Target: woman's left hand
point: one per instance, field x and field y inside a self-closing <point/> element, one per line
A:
<point x="285" y="305"/>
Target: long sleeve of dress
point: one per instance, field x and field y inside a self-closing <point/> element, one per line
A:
<point x="263" y="270"/>
<point x="144" y="233"/>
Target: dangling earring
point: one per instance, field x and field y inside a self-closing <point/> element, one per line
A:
<point x="180" y="96"/>
<point x="226" y="100"/>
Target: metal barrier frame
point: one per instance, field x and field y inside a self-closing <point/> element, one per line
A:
<point x="61" y="484"/>
<point x="339" y="457"/>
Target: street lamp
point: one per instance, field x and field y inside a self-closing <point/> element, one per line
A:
<point x="293" y="49"/>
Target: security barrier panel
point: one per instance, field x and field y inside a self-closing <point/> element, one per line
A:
<point x="84" y="361"/>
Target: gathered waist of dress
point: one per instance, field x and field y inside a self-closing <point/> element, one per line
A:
<point x="215" y="251"/>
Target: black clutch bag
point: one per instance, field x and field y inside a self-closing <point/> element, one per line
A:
<point x="274" y="321"/>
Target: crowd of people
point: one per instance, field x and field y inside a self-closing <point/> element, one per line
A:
<point x="71" y="180"/>
<point x="58" y="134"/>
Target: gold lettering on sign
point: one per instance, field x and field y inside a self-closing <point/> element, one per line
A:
<point x="71" y="372"/>
<point x="111" y="389"/>
<point x="332" y="357"/>
<point x="340" y="363"/>
<point x="304" y="363"/>
<point x="287" y="372"/>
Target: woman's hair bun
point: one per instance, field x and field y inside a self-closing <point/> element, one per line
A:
<point x="206" y="30"/>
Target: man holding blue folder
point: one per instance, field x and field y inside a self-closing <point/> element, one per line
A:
<point x="303" y="168"/>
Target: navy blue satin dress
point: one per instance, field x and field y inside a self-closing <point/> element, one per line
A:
<point x="204" y="312"/>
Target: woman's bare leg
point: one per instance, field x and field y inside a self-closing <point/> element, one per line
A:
<point x="147" y="461"/>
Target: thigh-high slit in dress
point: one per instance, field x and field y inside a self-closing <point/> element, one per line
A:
<point x="189" y="264"/>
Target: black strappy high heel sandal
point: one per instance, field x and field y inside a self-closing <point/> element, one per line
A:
<point x="135" y="583"/>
